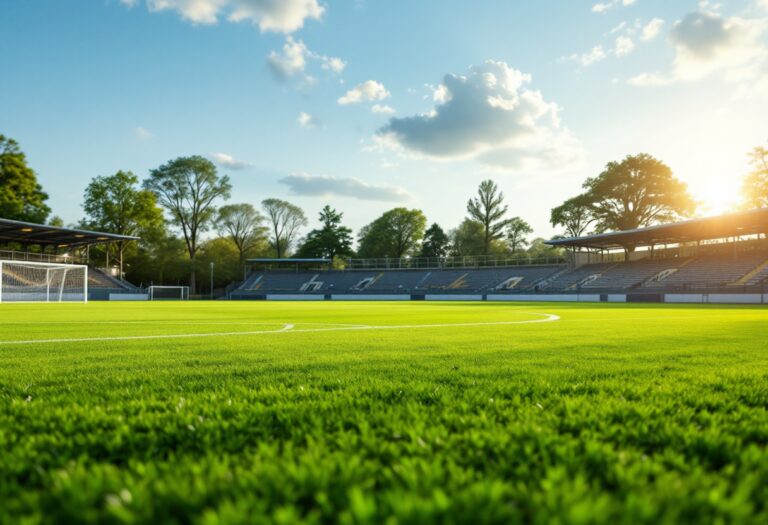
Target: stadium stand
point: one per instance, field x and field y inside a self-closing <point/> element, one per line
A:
<point x="737" y="261"/>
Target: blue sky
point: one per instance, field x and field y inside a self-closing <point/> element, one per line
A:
<point x="371" y="104"/>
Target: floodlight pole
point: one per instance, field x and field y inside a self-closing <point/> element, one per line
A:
<point x="212" y="280"/>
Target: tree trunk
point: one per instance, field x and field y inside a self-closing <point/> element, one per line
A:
<point x="192" y="272"/>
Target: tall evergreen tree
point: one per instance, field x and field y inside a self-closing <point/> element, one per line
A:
<point x="488" y="209"/>
<point x="331" y="240"/>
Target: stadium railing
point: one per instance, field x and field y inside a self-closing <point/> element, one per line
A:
<point x="458" y="263"/>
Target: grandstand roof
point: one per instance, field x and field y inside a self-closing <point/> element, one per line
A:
<point x="720" y="227"/>
<point x="44" y="235"/>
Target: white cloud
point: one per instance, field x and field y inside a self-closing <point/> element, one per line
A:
<point x="308" y="121"/>
<point x="284" y="16"/>
<point x="128" y="3"/>
<point x="228" y="161"/>
<point x="602" y="7"/>
<point x="489" y="115"/>
<point x="294" y="58"/>
<point x="624" y="46"/>
<point x="651" y="30"/>
<point x="291" y="61"/>
<point x="307" y="185"/>
<point x="706" y="42"/>
<point x="334" y="64"/>
<point x="596" y="54"/>
<point x="142" y="133"/>
<point x="382" y="109"/>
<point x="370" y="90"/>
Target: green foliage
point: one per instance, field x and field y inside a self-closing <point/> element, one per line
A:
<point x="436" y="242"/>
<point x="244" y="226"/>
<point x="755" y="187"/>
<point x="575" y="215"/>
<point x="468" y="239"/>
<point x="488" y="209"/>
<point x="285" y="221"/>
<point x="225" y="256"/>
<point x="188" y="188"/>
<point x="395" y="234"/>
<point x="637" y="192"/>
<point x="21" y="196"/>
<point x="331" y="241"/>
<point x="615" y="414"/>
<point x="517" y="231"/>
<point x="117" y="204"/>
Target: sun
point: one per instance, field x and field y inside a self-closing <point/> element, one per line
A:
<point x="717" y="196"/>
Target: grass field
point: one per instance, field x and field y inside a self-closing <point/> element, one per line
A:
<point x="441" y="412"/>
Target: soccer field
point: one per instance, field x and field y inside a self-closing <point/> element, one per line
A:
<point x="357" y="412"/>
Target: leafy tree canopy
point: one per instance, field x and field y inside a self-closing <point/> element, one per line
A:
<point x="637" y="192"/>
<point x="755" y="188"/>
<point x="517" y="231"/>
<point x="395" y="234"/>
<point x="574" y="215"/>
<point x="188" y="188"/>
<point x="21" y="196"/>
<point x="285" y="221"/>
<point x="243" y="225"/>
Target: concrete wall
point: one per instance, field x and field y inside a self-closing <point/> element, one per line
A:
<point x="617" y="298"/>
<point x="128" y="297"/>
<point x="717" y="298"/>
<point x="452" y="297"/>
<point x="295" y="297"/>
<point x="546" y="298"/>
<point x="383" y="297"/>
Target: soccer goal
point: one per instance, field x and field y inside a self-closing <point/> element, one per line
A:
<point x="168" y="293"/>
<point x="32" y="282"/>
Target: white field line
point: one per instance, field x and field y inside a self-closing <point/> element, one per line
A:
<point x="288" y="328"/>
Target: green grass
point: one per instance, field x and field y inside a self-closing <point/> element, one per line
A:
<point x="613" y="414"/>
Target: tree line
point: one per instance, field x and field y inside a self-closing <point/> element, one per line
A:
<point x="175" y="207"/>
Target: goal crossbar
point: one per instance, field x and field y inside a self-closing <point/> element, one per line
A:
<point x="158" y="293"/>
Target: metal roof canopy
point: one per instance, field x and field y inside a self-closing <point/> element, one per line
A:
<point x="268" y="260"/>
<point x="44" y="235"/>
<point x="720" y="227"/>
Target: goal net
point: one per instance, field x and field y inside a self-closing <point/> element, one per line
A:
<point x="23" y="281"/>
<point x="168" y="293"/>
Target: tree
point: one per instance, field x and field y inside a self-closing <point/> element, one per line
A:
<point x="488" y="209"/>
<point x="517" y="230"/>
<point x="637" y="192"/>
<point x="117" y="204"/>
<point x="21" y="196"/>
<point x="331" y="241"/>
<point x="574" y="215"/>
<point x="243" y="225"/>
<point x="467" y="239"/>
<point x="188" y="188"/>
<point x="285" y="219"/>
<point x="436" y="242"/>
<point x="395" y="234"/>
<point x="755" y="187"/>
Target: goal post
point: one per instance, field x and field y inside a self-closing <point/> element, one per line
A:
<point x="34" y="282"/>
<point x="168" y="293"/>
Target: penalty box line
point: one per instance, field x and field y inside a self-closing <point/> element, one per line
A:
<point x="288" y="328"/>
